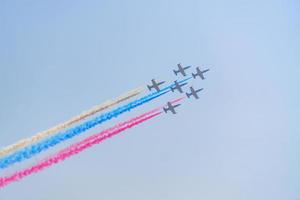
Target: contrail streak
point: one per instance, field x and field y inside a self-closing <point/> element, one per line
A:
<point x="43" y="145"/>
<point x="44" y="134"/>
<point x="79" y="147"/>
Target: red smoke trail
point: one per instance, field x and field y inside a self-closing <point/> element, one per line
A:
<point x="173" y="102"/>
<point x="81" y="146"/>
<point x="78" y="147"/>
<point x="177" y="100"/>
<point x="114" y="128"/>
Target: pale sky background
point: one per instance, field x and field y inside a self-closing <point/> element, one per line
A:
<point x="239" y="141"/>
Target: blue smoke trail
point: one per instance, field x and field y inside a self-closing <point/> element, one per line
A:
<point x="32" y="150"/>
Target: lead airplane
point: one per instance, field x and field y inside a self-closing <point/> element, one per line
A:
<point x="193" y="93"/>
<point x="181" y="70"/>
<point x="155" y="85"/>
<point x="178" y="86"/>
<point x="200" y="73"/>
<point x="171" y="108"/>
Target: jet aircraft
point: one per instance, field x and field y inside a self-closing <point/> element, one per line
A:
<point x="193" y="93"/>
<point x="171" y="108"/>
<point x="155" y="85"/>
<point x="200" y="73"/>
<point x="178" y="86"/>
<point x="181" y="70"/>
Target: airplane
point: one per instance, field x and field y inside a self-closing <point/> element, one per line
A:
<point x="193" y="93"/>
<point x="155" y="85"/>
<point x="181" y="70"/>
<point x="178" y="87"/>
<point x="200" y="73"/>
<point x="171" y="108"/>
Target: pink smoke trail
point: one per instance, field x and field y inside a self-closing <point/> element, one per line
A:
<point x="116" y="127"/>
<point x="83" y="145"/>
<point x="177" y="100"/>
<point x="136" y="118"/>
<point x="78" y="147"/>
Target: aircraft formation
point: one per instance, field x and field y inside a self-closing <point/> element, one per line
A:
<point x="155" y="85"/>
<point x="27" y="148"/>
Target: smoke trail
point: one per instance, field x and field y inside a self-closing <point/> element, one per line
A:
<point x="34" y="149"/>
<point x="42" y="135"/>
<point x="136" y="118"/>
<point x="79" y="147"/>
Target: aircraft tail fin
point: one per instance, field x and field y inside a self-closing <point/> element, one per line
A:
<point x="172" y="89"/>
<point x="188" y="95"/>
<point x="194" y="75"/>
<point x="149" y="87"/>
<point x="175" y="72"/>
<point x="165" y="110"/>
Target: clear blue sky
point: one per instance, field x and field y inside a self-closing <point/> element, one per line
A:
<point x="239" y="141"/>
